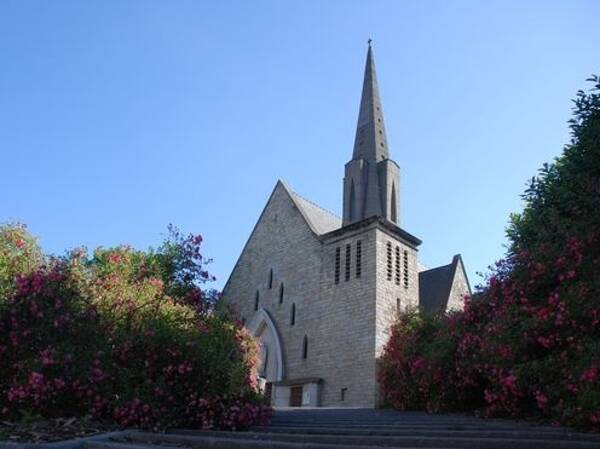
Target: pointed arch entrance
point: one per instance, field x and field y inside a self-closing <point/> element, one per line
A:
<point x="262" y="327"/>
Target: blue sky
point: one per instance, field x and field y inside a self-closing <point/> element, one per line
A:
<point x="119" y="117"/>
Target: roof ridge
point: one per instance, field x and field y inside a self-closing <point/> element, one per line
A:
<point x="316" y="205"/>
<point x="437" y="268"/>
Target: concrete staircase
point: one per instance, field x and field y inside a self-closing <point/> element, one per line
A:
<point x="364" y="429"/>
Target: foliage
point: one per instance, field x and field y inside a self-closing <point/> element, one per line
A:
<point x="528" y="344"/>
<point x="123" y="335"/>
<point x="19" y="254"/>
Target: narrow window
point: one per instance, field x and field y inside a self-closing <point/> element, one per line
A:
<point x="256" y="300"/>
<point x="394" y="205"/>
<point x="389" y="261"/>
<point x="343" y="394"/>
<point x="397" y="305"/>
<point x="347" y="271"/>
<point x="293" y="315"/>
<point x="270" y="278"/>
<point x="397" y="266"/>
<point x="405" y="269"/>
<point x="337" y="265"/>
<point x="358" y="258"/>
<point x="281" y="293"/>
<point x="352" y="199"/>
<point x="305" y="348"/>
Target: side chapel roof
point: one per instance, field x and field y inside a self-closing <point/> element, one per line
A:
<point x="435" y="286"/>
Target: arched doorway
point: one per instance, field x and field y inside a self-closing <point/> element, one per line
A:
<point x="270" y="368"/>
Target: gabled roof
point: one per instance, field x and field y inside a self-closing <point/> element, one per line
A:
<point x="321" y="221"/>
<point x="435" y="286"/>
<point x="434" y="289"/>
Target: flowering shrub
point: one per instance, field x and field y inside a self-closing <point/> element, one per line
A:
<point x="125" y="335"/>
<point x="528" y="343"/>
<point x="19" y="254"/>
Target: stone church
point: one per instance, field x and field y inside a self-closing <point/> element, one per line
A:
<point x="320" y="292"/>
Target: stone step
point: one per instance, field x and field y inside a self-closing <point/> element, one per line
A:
<point x="227" y="443"/>
<point x="393" y="415"/>
<point x="382" y="421"/>
<point x="449" y="426"/>
<point x="403" y="422"/>
<point x="481" y="432"/>
<point x="367" y="414"/>
<point x="423" y="420"/>
<point x="384" y="416"/>
<point x="206" y="439"/>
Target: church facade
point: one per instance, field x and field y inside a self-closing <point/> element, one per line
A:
<point x="320" y="292"/>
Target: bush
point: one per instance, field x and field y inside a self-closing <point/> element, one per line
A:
<point x="19" y="255"/>
<point x="126" y="336"/>
<point x="528" y="343"/>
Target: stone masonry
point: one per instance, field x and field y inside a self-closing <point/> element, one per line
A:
<point x="321" y="292"/>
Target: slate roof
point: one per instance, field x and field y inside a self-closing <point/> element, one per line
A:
<point x="435" y="285"/>
<point x="370" y="142"/>
<point x="320" y="220"/>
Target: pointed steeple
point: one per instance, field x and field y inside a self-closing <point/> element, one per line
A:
<point x="370" y="142"/>
<point x="372" y="179"/>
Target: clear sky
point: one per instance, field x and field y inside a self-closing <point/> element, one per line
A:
<point x="119" y="117"/>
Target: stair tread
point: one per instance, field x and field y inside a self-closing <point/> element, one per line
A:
<point x="364" y="429"/>
<point x="463" y="433"/>
<point x="230" y="443"/>
<point x="378" y="441"/>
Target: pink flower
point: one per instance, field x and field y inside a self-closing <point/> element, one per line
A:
<point x="47" y="357"/>
<point x="541" y="399"/>
<point x="543" y="313"/>
<point x="36" y="378"/>
<point x="545" y="342"/>
<point x="505" y="351"/>
<point x="509" y="383"/>
<point x="489" y="396"/>
<point x="590" y="375"/>
<point x="97" y="374"/>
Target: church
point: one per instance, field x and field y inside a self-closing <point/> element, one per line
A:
<point x="320" y="292"/>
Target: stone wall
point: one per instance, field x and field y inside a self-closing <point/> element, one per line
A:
<point x="337" y="319"/>
<point x="282" y="242"/>
<point x="347" y="352"/>
<point x="347" y="322"/>
<point x="460" y="287"/>
<point x="390" y="292"/>
<point x="393" y="294"/>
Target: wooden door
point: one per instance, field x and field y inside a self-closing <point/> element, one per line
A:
<point x="296" y="397"/>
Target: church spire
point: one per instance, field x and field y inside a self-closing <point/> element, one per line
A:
<point x="372" y="179"/>
<point x="370" y="142"/>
